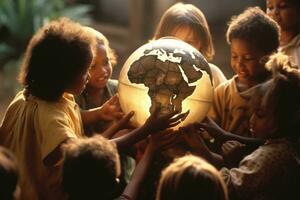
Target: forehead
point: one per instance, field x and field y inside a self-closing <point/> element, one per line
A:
<point x="184" y="32"/>
<point x="101" y="48"/>
<point x="244" y="46"/>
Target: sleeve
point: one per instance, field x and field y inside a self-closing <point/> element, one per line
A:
<point x="53" y="128"/>
<point x="251" y="177"/>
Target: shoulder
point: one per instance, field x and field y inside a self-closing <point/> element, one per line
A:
<point x="217" y="74"/>
<point x="227" y="86"/>
<point x="112" y="86"/>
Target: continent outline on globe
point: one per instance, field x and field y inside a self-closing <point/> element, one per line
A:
<point x="169" y="74"/>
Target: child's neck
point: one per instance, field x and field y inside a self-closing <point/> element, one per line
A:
<point x="287" y="36"/>
<point x="95" y="95"/>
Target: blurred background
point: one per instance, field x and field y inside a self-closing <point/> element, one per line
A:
<point x="126" y="23"/>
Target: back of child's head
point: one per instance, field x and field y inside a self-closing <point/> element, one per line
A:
<point x="8" y="174"/>
<point x="254" y="26"/>
<point x="281" y="95"/>
<point x="191" y="177"/>
<point x="55" y="57"/>
<point x="90" y="170"/>
<point x="102" y="40"/>
<point x="187" y="15"/>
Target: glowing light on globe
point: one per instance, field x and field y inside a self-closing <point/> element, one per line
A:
<point x="167" y="73"/>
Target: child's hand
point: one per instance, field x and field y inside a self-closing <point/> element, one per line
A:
<point x="193" y="137"/>
<point x="232" y="152"/>
<point x="212" y="128"/>
<point x="117" y="125"/>
<point x="111" y="110"/>
<point x="162" y="140"/>
<point x="156" y="123"/>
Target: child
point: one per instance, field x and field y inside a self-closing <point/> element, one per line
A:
<point x="9" y="175"/>
<point x="191" y="177"/>
<point x="91" y="168"/>
<point x="287" y="14"/>
<point x="44" y="115"/>
<point x="272" y="170"/>
<point x="253" y="36"/>
<point x="100" y="87"/>
<point x="186" y="22"/>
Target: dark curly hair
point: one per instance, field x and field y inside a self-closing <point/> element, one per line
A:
<point x="256" y="27"/>
<point x="56" y="55"/>
<point x="90" y="168"/>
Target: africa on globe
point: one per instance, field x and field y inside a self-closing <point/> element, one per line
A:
<point x="167" y="73"/>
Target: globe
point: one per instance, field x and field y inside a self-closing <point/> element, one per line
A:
<point x="166" y="73"/>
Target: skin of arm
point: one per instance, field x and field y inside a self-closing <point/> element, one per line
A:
<point x="220" y="134"/>
<point x="109" y="111"/>
<point x="158" y="142"/>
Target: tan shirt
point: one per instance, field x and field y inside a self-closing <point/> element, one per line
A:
<point x="292" y="49"/>
<point x="231" y="110"/>
<point x="270" y="172"/>
<point x="32" y="129"/>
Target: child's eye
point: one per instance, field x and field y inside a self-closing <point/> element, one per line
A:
<point x="283" y="6"/>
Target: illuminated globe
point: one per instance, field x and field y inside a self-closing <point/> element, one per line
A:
<point x="167" y="73"/>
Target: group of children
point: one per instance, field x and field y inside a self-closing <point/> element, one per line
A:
<point x="57" y="149"/>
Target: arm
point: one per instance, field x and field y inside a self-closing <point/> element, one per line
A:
<point x="157" y="142"/>
<point x="109" y="111"/>
<point x="153" y="124"/>
<point x="194" y="139"/>
<point x="217" y="132"/>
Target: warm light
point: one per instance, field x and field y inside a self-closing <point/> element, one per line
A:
<point x="176" y="65"/>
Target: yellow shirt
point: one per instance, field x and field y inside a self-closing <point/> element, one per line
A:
<point x="32" y="128"/>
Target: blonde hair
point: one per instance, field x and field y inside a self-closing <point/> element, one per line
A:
<point x="191" y="177"/>
<point x="187" y="15"/>
<point x="102" y="40"/>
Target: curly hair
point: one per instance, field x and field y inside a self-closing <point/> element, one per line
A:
<point x="282" y="94"/>
<point x="256" y="27"/>
<point x="91" y="167"/>
<point x="187" y="15"/>
<point x="176" y="180"/>
<point x="56" y="55"/>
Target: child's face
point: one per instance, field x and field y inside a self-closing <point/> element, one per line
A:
<point x="262" y="123"/>
<point x="187" y="35"/>
<point x="101" y="70"/>
<point x="284" y="13"/>
<point x="245" y="61"/>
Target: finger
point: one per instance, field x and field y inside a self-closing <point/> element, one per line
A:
<point x="114" y="99"/>
<point x="178" y="117"/>
<point x="173" y="124"/>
